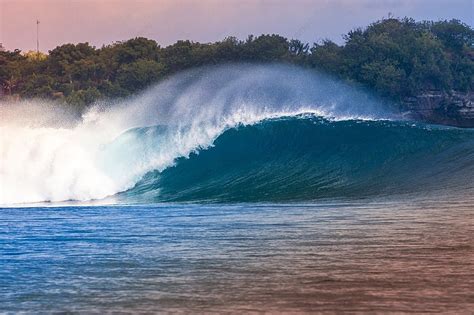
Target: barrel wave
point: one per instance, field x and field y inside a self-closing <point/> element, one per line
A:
<point x="234" y="133"/>
<point x="305" y="158"/>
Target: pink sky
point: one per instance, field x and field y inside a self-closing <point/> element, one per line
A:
<point x="105" y="21"/>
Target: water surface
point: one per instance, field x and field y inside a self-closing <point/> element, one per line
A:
<point x="358" y="256"/>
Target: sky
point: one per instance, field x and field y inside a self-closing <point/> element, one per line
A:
<point x="102" y="22"/>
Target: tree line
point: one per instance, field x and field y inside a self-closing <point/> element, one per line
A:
<point x="396" y="58"/>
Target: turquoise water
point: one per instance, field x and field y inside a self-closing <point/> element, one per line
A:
<point x="307" y="158"/>
<point x="359" y="256"/>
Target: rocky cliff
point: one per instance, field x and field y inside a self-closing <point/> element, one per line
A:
<point x="453" y="108"/>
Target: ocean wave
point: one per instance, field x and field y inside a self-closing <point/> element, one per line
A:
<point x="138" y="148"/>
<point x="304" y="158"/>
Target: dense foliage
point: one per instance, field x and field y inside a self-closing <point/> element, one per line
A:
<point x="396" y="58"/>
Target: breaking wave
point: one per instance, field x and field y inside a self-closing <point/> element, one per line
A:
<point x="230" y="133"/>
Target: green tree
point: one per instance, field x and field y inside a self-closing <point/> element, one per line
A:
<point x="396" y="58"/>
<point x="135" y="49"/>
<point x="139" y="74"/>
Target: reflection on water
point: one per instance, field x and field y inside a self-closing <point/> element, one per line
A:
<point x="360" y="256"/>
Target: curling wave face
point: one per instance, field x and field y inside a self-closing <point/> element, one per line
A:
<point x="304" y="158"/>
<point x="231" y="133"/>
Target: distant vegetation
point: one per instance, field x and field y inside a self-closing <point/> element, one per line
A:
<point x="396" y="58"/>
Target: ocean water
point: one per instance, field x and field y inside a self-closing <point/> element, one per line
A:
<point x="242" y="188"/>
<point x="414" y="255"/>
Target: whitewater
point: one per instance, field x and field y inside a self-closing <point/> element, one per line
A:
<point x="134" y="149"/>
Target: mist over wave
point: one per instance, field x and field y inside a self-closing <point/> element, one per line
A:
<point x="49" y="153"/>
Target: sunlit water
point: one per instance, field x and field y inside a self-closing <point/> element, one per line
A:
<point x="362" y="256"/>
